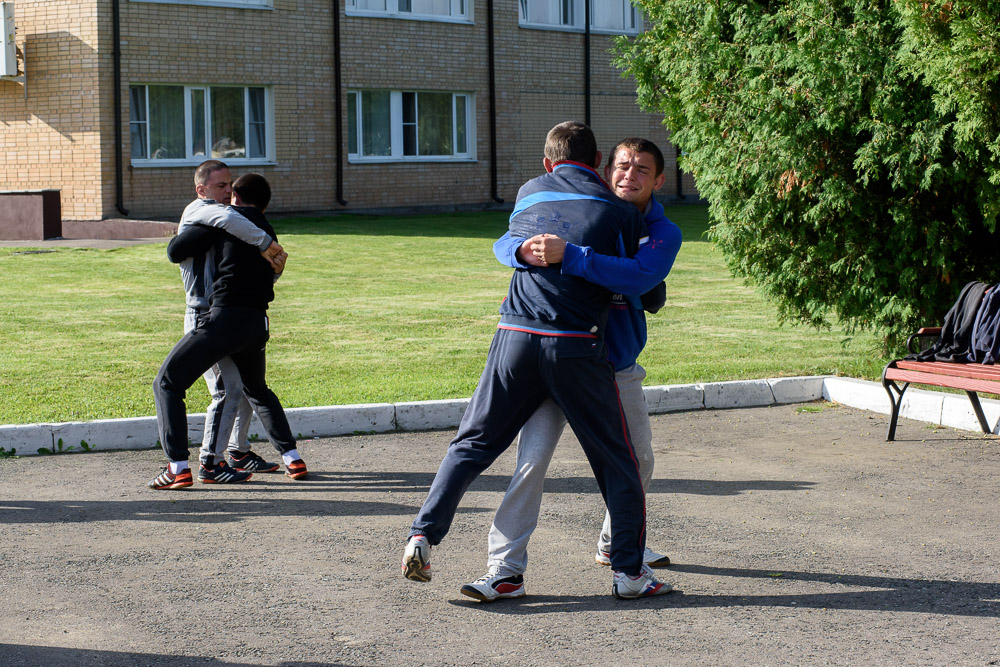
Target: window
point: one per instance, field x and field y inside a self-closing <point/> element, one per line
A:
<point x="267" y="4"/>
<point x="606" y="16"/>
<point x="189" y="124"/>
<point x="426" y="10"/>
<point x="386" y="125"/>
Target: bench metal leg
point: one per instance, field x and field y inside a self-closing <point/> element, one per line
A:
<point x="896" y="402"/>
<point x="978" y="409"/>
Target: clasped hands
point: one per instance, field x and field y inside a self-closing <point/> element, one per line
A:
<point x="542" y="250"/>
<point x="275" y="256"/>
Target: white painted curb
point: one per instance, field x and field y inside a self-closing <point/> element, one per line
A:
<point x="141" y="433"/>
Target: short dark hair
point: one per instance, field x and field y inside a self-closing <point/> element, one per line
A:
<point x="638" y="145"/>
<point x="253" y="189"/>
<point x="571" y="140"/>
<point x="206" y="169"/>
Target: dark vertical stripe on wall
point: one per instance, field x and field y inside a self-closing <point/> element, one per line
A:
<point x="338" y="112"/>
<point x="493" y="102"/>
<point x="586" y="62"/>
<point x="119" y="141"/>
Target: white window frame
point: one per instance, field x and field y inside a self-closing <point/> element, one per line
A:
<point x="396" y="128"/>
<point x="461" y="11"/>
<point x="236" y="4"/>
<point x="190" y="158"/>
<point x="571" y="15"/>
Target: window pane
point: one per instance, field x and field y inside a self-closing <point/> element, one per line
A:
<point x="434" y="123"/>
<point x="436" y="7"/>
<point x="137" y="118"/>
<point x="258" y="124"/>
<point x="567" y="12"/>
<point x="461" y="142"/>
<point x="198" y="122"/>
<point x="375" y="5"/>
<point x="375" y="134"/>
<point x="404" y="6"/>
<point x="409" y="123"/>
<point x="352" y="123"/>
<point x="228" y="127"/>
<point x="545" y="12"/>
<point x="166" y="122"/>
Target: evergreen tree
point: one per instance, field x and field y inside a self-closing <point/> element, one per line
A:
<point x="850" y="150"/>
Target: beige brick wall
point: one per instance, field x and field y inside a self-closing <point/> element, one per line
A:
<point x="53" y="139"/>
<point x="63" y="135"/>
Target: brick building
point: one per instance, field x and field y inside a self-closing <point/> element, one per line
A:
<point x="343" y="105"/>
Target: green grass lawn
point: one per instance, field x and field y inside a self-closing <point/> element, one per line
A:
<point x="370" y="309"/>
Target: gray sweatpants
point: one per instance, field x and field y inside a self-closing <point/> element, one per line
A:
<point x="228" y="416"/>
<point x="517" y="515"/>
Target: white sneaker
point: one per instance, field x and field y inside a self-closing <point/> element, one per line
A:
<point x="653" y="559"/>
<point x="492" y="586"/>
<point x="417" y="559"/>
<point x="645" y="585"/>
<point x="649" y="557"/>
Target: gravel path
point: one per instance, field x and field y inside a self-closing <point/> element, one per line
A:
<point x="799" y="537"/>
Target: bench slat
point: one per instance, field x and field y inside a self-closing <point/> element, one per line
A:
<point x="936" y="379"/>
<point x="980" y="371"/>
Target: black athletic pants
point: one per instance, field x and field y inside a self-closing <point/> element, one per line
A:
<point x="522" y="369"/>
<point x="236" y="332"/>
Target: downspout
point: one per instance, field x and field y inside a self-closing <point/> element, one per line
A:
<point x="493" y="102"/>
<point x="586" y="62"/>
<point x="338" y="113"/>
<point x="119" y="143"/>
<point x="677" y="166"/>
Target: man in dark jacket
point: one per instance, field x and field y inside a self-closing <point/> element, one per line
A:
<point x="237" y="327"/>
<point x="550" y="343"/>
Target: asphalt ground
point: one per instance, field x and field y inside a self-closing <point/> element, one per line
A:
<point x="798" y="537"/>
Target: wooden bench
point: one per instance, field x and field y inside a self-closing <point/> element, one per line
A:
<point x="972" y="378"/>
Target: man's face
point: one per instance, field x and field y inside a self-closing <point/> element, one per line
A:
<point x="632" y="175"/>
<point x="219" y="187"/>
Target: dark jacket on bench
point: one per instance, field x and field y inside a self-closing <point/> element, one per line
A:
<point x="955" y="342"/>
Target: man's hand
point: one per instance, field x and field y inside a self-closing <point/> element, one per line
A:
<point x="279" y="261"/>
<point x="526" y="256"/>
<point x="547" y="248"/>
<point x="275" y="256"/>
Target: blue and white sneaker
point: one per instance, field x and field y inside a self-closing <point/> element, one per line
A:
<point x="645" y="585"/>
<point x="493" y="586"/>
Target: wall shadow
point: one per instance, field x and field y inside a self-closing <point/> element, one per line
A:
<point x="54" y="88"/>
<point x="212" y="506"/>
<point x="45" y="656"/>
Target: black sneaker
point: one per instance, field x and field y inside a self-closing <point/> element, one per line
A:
<point x="220" y="473"/>
<point x="250" y="462"/>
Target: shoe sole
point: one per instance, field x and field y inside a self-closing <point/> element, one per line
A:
<point x="476" y="594"/>
<point x="297" y="475"/>
<point x="664" y="589"/>
<point x="414" y="570"/>
<point x="175" y="485"/>
<point x="231" y="481"/>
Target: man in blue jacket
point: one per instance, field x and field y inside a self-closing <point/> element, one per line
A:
<point x="550" y="344"/>
<point x="634" y="171"/>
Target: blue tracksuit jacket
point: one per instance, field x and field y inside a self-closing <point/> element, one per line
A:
<point x="626" y="325"/>
<point x="573" y="202"/>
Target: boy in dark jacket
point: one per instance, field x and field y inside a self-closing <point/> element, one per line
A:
<point x="237" y="327"/>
